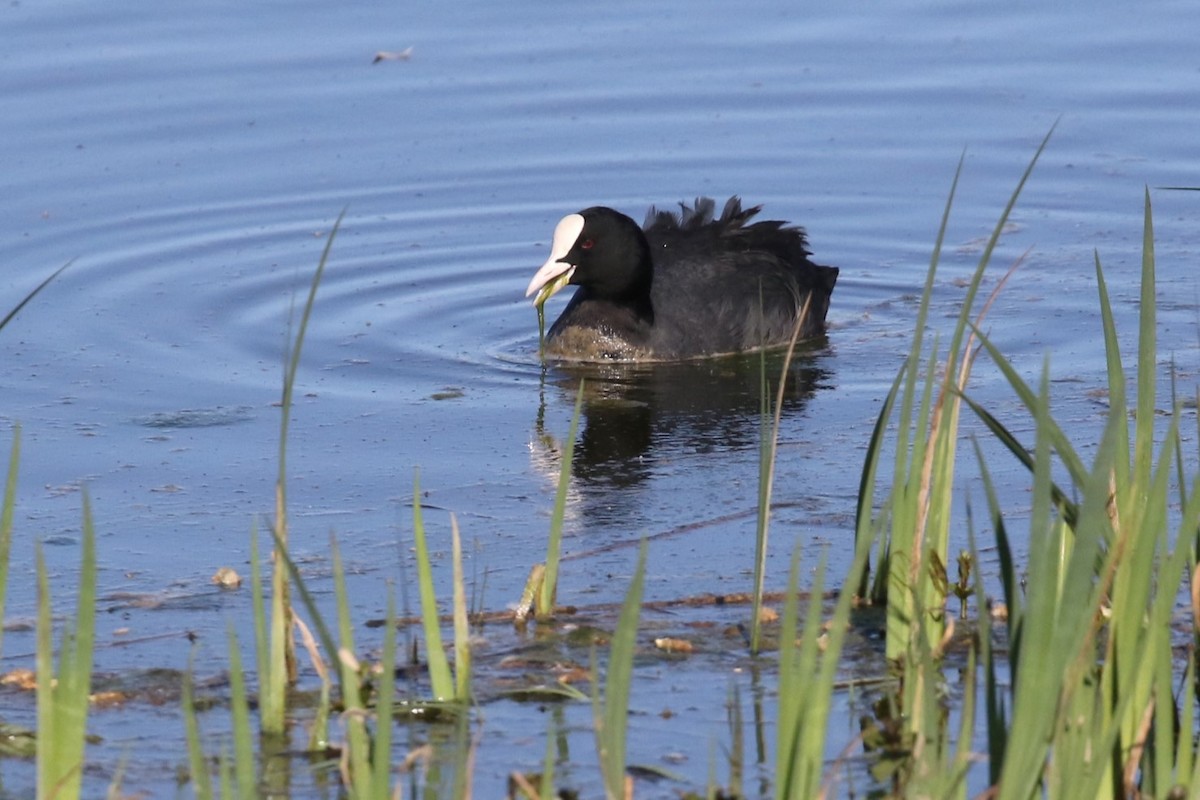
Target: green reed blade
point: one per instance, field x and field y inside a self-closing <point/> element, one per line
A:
<point x="358" y="740"/>
<point x="62" y="698"/>
<point x="244" y="769"/>
<point x="768" y="449"/>
<point x="1066" y="507"/>
<point x="611" y="717"/>
<point x="25" y="301"/>
<point x="272" y="687"/>
<point x="283" y="644"/>
<point x="863" y="527"/>
<point x="197" y="763"/>
<point x="324" y="635"/>
<point x="381" y="753"/>
<point x="549" y="586"/>
<point x="462" y="630"/>
<point x="439" y="668"/>
<point x="1058" y="439"/>
<point x="6" y="521"/>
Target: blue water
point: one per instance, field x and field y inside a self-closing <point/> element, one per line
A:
<point x="191" y="163"/>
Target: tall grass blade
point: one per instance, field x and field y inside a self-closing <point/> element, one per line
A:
<point x="25" y="301"/>
<point x="549" y="586"/>
<point x="768" y="448"/>
<point x="62" y="698"/>
<point x="863" y="528"/>
<point x="462" y="630"/>
<point x="439" y="668"/>
<point x="764" y="501"/>
<point x="283" y="645"/>
<point x="381" y="753"/>
<point x="1056" y="437"/>
<point x="244" y="769"/>
<point x="1062" y="502"/>
<point x="358" y="741"/>
<point x="6" y="522"/>
<point x="610" y="716"/>
<point x="349" y="683"/>
<point x="1147" y="365"/>
<point x="272" y="689"/>
<point x="197" y="765"/>
<point x="807" y="675"/>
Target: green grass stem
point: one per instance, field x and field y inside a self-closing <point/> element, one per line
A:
<point x="385" y="693"/>
<point x="462" y="628"/>
<point x="6" y="522"/>
<point x="440" y="678"/>
<point x="25" y="300"/>
<point x="244" y="768"/>
<point x="768" y="449"/>
<point x="62" y="694"/>
<point x="548" y="590"/>
<point x="610" y="714"/>
<point x="283" y="644"/>
<point x="357" y="772"/>
<point x="197" y="764"/>
<point x="807" y="673"/>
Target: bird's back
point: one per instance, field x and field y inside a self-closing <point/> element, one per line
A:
<point x="725" y="284"/>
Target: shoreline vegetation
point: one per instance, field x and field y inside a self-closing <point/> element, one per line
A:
<point x="1078" y="682"/>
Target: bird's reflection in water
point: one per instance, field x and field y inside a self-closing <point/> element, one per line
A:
<point x="641" y="419"/>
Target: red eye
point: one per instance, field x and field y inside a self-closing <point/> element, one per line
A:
<point x="587" y="244"/>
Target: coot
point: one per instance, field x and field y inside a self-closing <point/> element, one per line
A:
<point x="686" y="285"/>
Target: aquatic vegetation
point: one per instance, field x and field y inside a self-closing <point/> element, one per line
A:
<point x="1085" y="685"/>
<point x="34" y="293"/>
<point x="6" y="521"/>
<point x="769" y="422"/>
<point x="610" y="713"/>
<point x="807" y="671"/>
<point x="548" y="590"/>
<point x="62" y="692"/>
<point x="439" y="668"/>
<point x="281" y="666"/>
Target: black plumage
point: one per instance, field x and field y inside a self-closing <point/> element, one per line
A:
<point x="685" y="285"/>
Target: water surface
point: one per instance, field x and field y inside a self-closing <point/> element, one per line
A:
<point x="191" y="162"/>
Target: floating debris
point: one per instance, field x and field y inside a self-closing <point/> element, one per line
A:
<point x="393" y="55"/>
<point x="227" y="578"/>
<point x="673" y="645"/>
